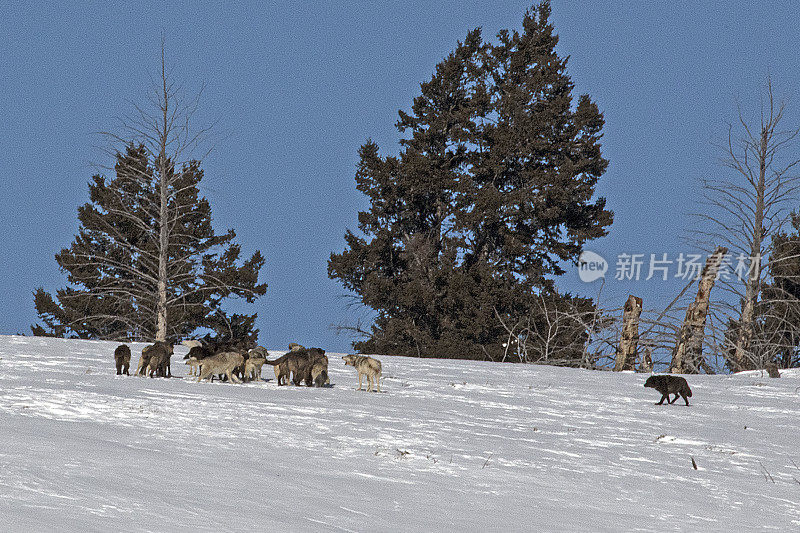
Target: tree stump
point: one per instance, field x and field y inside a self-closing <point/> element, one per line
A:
<point x="687" y="358"/>
<point x="772" y="369"/>
<point x="629" y="340"/>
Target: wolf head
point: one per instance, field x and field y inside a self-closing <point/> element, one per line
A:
<point x="653" y="382"/>
<point x="349" y="360"/>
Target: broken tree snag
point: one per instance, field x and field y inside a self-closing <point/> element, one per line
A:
<point x="687" y="358"/>
<point x="772" y="369"/>
<point x="629" y="340"/>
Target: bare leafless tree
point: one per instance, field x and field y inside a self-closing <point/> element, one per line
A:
<point x="147" y="263"/>
<point x="165" y="129"/>
<point x="554" y="332"/>
<point x="744" y="210"/>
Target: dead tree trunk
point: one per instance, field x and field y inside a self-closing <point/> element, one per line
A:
<point x="164" y="237"/>
<point x="753" y="282"/>
<point x="646" y="364"/>
<point x="687" y="358"/>
<point x="163" y="247"/>
<point x="629" y="340"/>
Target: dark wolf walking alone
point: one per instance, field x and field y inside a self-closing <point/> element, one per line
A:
<point x="666" y="385"/>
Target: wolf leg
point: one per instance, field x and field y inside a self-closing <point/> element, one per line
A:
<point x="663" y="397"/>
<point x="674" y="399"/>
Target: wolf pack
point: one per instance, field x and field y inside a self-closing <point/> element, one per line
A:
<point x="235" y="363"/>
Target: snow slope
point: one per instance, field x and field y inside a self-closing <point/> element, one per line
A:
<point x="449" y="445"/>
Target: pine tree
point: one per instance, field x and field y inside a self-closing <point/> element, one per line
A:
<point x="539" y="161"/>
<point x="492" y="188"/>
<point x="146" y="263"/>
<point x="776" y="335"/>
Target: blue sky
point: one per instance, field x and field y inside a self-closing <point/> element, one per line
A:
<point x="296" y="88"/>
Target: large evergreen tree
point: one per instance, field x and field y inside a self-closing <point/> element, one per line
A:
<point x="112" y="264"/>
<point x="146" y="263"/>
<point x="491" y="190"/>
<point x="776" y="324"/>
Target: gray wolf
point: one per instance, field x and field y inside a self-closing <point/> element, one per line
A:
<point x="667" y="384"/>
<point x="297" y="364"/>
<point x="303" y="369"/>
<point x="221" y="363"/>
<point x="252" y="367"/>
<point x="159" y="360"/>
<point x="258" y="351"/>
<point x="255" y="359"/>
<point x="163" y="351"/>
<point x="192" y="343"/>
<point x="319" y="374"/>
<point x="194" y="366"/>
<point x="281" y="368"/>
<point x="199" y="349"/>
<point x="366" y="366"/>
<point x="122" y="358"/>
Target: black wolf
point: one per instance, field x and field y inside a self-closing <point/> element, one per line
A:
<point x="666" y="385"/>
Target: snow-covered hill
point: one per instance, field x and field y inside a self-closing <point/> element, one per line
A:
<point x="449" y="445"/>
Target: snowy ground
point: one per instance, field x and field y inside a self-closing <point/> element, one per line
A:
<point x="449" y="445"/>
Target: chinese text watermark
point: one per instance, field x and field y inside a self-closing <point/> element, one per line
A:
<point x="663" y="266"/>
